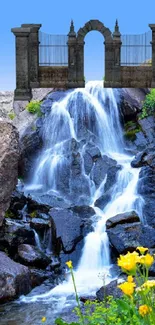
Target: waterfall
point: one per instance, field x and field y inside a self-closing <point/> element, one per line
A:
<point x="89" y="114"/>
<point x="37" y="240"/>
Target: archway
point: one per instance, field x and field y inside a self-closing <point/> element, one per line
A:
<point x="92" y="25"/>
<point x="94" y="57"/>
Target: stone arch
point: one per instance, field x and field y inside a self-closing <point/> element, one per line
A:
<point x="94" y="25"/>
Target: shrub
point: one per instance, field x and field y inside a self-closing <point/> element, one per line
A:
<point x="34" y="108"/>
<point x="11" y="115"/>
<point x="148" y="107"/>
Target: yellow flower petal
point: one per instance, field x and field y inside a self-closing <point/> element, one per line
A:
<point x="142" y="249"/>
<point x="43" y="319"/>
<point x="69" y="264"/>
<point x="144" y="310"/>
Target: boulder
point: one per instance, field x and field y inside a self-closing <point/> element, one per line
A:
<point x="31" y="256"/>
<point x="144" y="158"/>
<point x="39" y="224"/>
<point x="14" y="279"/>
<point x="9" y="156"/>
<point x="131" y="101"/>
<point x="109" y="290"/>
<point x="67" y="229"/>
<point x="121" y="218"/>
<point x="126" y="237"/>
<point x="146" y="188"/>
<point x="103" y="200"/>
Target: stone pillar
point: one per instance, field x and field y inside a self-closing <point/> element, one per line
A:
<point x="33" y="53"/>
<point x="23" y="90"/>
<point x="109" y="63"/>
<point x="80" y="63"/>
<point x="72" y="57"/>
<point x="152" y="26"/>
<point x="117" y="56"/>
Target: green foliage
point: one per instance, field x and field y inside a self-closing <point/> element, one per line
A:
<point x="33" y="214"/>
<point x="11" y="115"/>
<point x="9" y="214"/>
<point x="34" y="108"/>
<point x="131" y="128"/>
<point x="148" y="107"/>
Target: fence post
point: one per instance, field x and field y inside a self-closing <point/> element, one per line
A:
<point x="152" y="26"/>
<point x="117" y="56"/>
<point x="71" y="57"/>
<point x="23" y="89"/>
<point x="33" y="53"/>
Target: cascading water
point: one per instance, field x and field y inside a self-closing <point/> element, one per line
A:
<point x="89" y="114"/>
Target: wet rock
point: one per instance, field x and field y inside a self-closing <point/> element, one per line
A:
<point x="146" y="188"/>
<point x="127" y="217"/>
<point x="103" y="200"/>
<point x="144" y="158"/>
<point x="30" y="255"/>
<point x="109" y="290"/>
<point x="126" y="237"/>
<point x="12" y="234"/>
<point x="14" y="279"/>
<point x="30" y="146"/>
<point x="39" y="224"/>
<point x="131" y="101"/>
<point x="39" y="276"/>
<point x="102" y="167"/>
<point x="9" y="156"/>
<point x="148" y="128"/>
<point x="67" y="229"/>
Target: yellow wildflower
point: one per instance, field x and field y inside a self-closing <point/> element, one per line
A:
<point x="43" y="319"/>
<point x="149" y="284"/>
<point x="144" y="310"/>
<point x="127" y="288"/>
<point x="147" y="260"/>
<point x="142" y="249"/>
<point x="128" y="261"/>
<point x="69" y="264"/>
<point x="130" y="279"/>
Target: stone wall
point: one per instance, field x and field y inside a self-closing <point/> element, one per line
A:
<point x="136" y="76"/>
<point x="56" y="77"/>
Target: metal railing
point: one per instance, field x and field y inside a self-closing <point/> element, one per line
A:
<point x="136" y="49"/>
<point x="53" y="50"/>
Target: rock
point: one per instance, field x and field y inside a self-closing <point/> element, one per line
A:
<point x="39" y="224"/>
<point x="146" y="188"/>
<point x="14" y="279"/>
<point x="12" y="234"/>
<point x="30" y="255"/>
<point x="109" y="290"/>
<point x="148" y="128"/>
<point x="102" y="167"/>
<point x="126" y="237"/>
<point x="39" y="276"/>
<point x="103" y="200"/>
<point x="67" y="229"/>
<point x="6" y="103"/>
<point x="131" y="101"/>
<point x="9" y="156"/>
<point x="144" y="158"/>
<point x="126" y="217"/>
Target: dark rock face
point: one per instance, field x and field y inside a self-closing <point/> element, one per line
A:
<point x="144" y="158"/>
<point x="146" y="187"/>
<point x="127" y="217"/>
<point x="14" y="279"/>
<point x="68" y="228"/>
<point x="30" y="255"/>
<point x="126" y="237"/>
<point x="9" y="156"/>
<point x="109" y="290"/>
<point x="131" y="101"/>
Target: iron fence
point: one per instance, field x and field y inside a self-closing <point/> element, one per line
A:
<point x="136" y="49"/>
<point x="53" y="50"/>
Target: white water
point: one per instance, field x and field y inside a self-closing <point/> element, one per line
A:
<point x="95" y="109"/>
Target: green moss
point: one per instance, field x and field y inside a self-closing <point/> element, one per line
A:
<point x="34" y="108"/>
<point x="131" y="134"/>
<point x="11" y="115"/>
<point x="9" y="214"/>
<point x="131" y="128"/>
<point x="33" y="214"/>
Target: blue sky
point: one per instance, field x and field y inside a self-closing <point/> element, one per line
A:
<point x="133" y="16"/>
